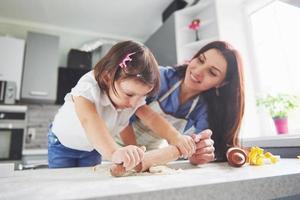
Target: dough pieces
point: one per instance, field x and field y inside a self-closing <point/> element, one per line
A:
<point x="163" y="169"/>
<point x="154" y="170"/>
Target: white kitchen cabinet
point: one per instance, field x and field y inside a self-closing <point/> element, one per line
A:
<point x="220" y="20"/>
<point x="40" y="67"/>
<point x="11" y="60"/>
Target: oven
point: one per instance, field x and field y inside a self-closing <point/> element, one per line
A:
<point x="12" y="131"/>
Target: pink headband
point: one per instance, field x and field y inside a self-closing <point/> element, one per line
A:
<point x="127" y="58"/>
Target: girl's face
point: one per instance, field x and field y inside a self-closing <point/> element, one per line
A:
<point x="130" y="93"/>
<point x="206" y="71"/>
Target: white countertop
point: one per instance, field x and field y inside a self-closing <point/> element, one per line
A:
<point x="35" y="152"/>
<point x="13" y="108"/>
<point x="210" y="181"/>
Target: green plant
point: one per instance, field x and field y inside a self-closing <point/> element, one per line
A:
<point x="279" y="105"/>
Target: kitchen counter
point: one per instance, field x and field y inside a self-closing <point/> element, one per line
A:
<point x="210" y="181"/>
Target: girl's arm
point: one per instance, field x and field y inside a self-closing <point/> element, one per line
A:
<point x="164" y="129"/>
<point x="127" y="136"/>
<point x="95" y="127"/>
<point x="100" y="138"/>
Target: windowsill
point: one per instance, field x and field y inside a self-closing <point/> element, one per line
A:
<point x="273" y="141"/>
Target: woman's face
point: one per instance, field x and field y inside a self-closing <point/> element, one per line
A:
<point x="206" y="71"/>
<point x="130" y="93"/>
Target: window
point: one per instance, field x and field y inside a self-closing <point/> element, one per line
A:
<point x="276" y="42"/>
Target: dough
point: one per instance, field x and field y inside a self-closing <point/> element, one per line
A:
<point x="154" y="170"/>
<point x="163" y="169"/>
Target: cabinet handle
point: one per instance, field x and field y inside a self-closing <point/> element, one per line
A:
<point x="38" y="93"/>
<point x="2" y="115"/>
<point x="6" y="126"/>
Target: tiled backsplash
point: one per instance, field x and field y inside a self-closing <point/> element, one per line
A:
<point x="38" y="119"/>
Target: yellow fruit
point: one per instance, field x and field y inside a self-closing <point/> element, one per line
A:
<point x="260" y="161"/>
<point x="256" y="156"/>
<point x="268" y="155"/>
<point x="274" y="159"/>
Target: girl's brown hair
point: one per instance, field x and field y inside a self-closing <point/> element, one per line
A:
<point x="143" y="66"/>
<point x="225" y="109"/>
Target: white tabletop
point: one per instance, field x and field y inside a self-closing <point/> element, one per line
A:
<point x="210" y="181"/>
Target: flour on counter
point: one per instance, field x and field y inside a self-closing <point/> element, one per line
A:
<point x="154" y="170"/>
<point x="163" y="169"/>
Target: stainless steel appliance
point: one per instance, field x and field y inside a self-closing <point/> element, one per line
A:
<point x="8" y="90"/>
<point x="12" y="132"/>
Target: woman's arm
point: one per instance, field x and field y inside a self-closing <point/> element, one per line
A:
<point x="160" y="126"/>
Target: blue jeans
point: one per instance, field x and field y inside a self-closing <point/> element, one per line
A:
<point x="60" y="156"/>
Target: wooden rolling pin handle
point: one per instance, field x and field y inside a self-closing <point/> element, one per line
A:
<point x="160" y="157"/>
<point x="119" y="170"/>
<point x="151" y="158"/>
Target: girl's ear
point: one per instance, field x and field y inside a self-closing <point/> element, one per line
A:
<point x="106" y="78"/>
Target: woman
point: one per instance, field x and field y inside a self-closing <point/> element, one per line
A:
<point x="204" y="99"/>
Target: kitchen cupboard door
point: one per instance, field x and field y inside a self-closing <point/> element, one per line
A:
<point x="11" y="61"/>
<point x="40" y="67"/>
<point x="162" y="43"/>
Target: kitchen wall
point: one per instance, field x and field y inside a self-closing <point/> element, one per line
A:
<point x="69" y="38"/>
<point x="39" y="117"/>
<point x="162" y="44"/>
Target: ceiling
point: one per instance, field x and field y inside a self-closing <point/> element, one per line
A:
<point x="127" y="18"/>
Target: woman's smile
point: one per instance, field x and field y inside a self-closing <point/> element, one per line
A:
<point x="195" y="78"/>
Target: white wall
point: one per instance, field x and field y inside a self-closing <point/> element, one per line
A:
<point x="233" y="28"/>
<point x="69" y="38"/>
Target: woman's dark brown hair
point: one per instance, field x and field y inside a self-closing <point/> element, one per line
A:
<point x="143" y="66"/>
<point x="225" y="109"/>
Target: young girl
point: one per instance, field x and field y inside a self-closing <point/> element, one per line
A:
<point x="206" y="93"/>
<point x="100" y="106"/>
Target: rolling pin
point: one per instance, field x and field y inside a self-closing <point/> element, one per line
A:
<point x="151" y="158"/>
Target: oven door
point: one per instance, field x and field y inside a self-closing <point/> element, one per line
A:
<point x="11" y="143"/>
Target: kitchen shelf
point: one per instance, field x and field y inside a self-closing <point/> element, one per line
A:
<point x="185" y="38"/>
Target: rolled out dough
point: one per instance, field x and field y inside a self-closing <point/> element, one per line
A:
<point x="154" y="170"/>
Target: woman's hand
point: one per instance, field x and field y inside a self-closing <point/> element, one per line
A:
<point x="130" y="156"/>
<point x="204" y="148"/>
<point x="185" y="144"/>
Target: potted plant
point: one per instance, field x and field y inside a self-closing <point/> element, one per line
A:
<point x="279" y="107"/>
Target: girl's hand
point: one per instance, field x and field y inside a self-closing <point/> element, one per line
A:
<point x="185" y="144"/>
<point x="205" y="148"/>
<point x="130" y="156"/>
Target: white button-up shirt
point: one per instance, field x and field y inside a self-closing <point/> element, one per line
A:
<point x="66" y="124"/>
